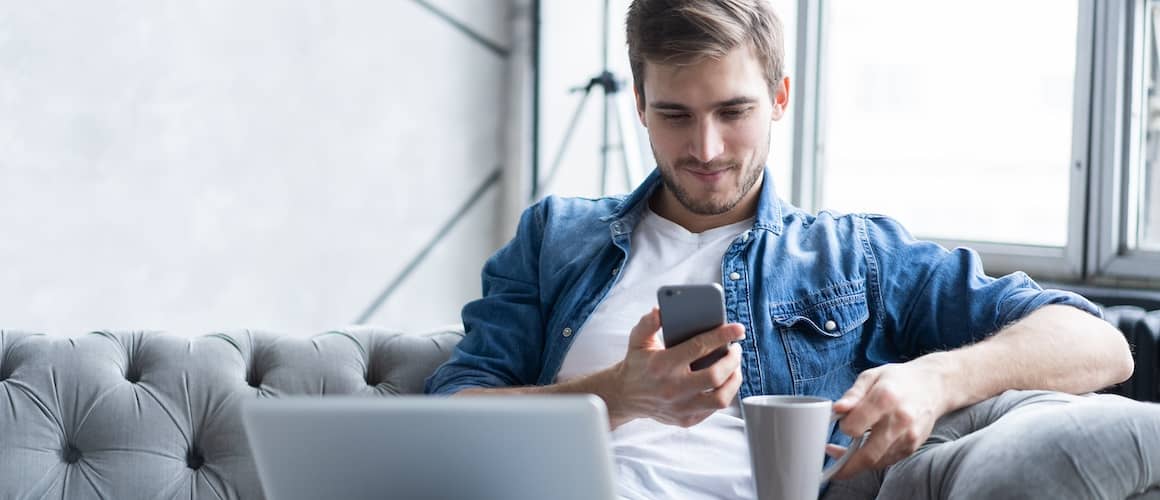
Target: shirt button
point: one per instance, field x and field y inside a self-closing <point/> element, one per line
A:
<point x="567" y="332"/>
<point x="614" y="270"/>
<point x="831" y="326"/>
<point x="734" y="275"/>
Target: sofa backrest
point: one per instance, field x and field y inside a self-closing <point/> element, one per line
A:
<point x="140" y="415"/>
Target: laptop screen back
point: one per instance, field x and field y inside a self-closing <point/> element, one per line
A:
<point x="409" y="447"/>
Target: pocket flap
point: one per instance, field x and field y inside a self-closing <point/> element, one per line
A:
<point x="825" y="314"/>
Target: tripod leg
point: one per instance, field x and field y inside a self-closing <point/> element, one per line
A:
<point x="547" y="181"/>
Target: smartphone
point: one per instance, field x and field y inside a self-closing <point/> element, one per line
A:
<point x="689" y="310"/>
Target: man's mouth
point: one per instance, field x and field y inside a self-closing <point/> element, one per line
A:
<point x="708" y="175"/>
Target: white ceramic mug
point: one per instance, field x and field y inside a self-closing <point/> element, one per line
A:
<point x="787" y="445"/>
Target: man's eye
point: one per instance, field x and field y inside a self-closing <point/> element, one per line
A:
<point x="675" y="116"/>
<point x="734" y="114"/>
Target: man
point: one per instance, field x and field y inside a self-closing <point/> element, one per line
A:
<point x="848" y="307"/>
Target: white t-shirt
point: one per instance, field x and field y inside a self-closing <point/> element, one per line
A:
<point x="654" y="460"/>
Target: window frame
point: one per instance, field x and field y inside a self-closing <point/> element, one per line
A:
<point x="1119" y="99"/>
<point x="805" y="181"/>
<point x="1096" y="236"/>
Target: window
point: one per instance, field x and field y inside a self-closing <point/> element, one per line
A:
<point x="1144" y="190"/>
<point x="951" y="119"/>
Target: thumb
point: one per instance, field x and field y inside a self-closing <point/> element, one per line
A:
<point x="644" y="334"/>
<point x="856" y="392"/>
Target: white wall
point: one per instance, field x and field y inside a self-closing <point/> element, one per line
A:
<point x="192" y="166"/>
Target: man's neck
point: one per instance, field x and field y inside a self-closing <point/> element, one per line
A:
<point x="666" y="205"/>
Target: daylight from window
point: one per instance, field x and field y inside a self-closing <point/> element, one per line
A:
<point x="951" y="119"/>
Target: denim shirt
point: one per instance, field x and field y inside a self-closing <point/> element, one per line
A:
<point x="822" y="297"/>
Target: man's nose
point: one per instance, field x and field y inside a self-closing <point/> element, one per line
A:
<point x="707" y="145"/>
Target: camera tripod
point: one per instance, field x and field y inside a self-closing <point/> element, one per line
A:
<point x="627" y="144"/>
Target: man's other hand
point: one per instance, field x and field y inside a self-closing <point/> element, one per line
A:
<point x="898" y="404"/>
<point x="658" y="383"/>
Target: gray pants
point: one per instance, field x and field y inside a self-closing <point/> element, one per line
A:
<point x="1027" y="444"/>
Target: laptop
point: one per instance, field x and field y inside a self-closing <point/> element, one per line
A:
<point x="427" y="447"/>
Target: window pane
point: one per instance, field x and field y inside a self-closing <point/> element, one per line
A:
<point x="1147" y="186"/>
<point x="957" y="121"/>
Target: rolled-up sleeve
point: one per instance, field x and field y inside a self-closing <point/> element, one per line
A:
<point x="935" y="299"/>
<point x="504" y="340"/>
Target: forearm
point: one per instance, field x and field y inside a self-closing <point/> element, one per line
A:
<point x="1056" y="347"/>
<point x="602" y="384"/>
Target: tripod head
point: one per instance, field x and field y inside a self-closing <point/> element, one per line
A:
<point x="606" y="80"/>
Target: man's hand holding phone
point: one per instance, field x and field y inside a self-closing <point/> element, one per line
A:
<point x="659" y="383"/>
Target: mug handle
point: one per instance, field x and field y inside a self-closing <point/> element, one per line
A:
<point x="854" y="445"/>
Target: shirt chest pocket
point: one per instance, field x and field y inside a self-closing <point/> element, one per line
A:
<point x="822" y="331"/>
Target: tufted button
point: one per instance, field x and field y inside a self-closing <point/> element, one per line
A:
<point x="193" y="459"/>
<point x="133" y="375"/>
<point x="70" y="454"/>
<point x="253" y="379"/>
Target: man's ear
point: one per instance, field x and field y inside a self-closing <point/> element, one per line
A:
<point x="636" y="95"/>
<point x="780" y="98"/>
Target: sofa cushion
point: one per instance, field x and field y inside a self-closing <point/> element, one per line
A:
<point x="148" y="415"/>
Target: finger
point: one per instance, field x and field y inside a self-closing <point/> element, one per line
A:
<point x="871" y="409"/>
<point x="706" y="342"/>
<point x="721" y="397"/>
<point x="734" y="382"/>
<point x="856" y="392"/>
<point x="880" y="441"/>
<point x="644" y="334"/>
<point x="835" y="451"/>
<point x="715" y="375"/>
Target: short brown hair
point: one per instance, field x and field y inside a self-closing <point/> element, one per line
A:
<point x="686" y="31"/>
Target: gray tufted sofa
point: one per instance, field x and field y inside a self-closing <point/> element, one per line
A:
<point x="139" y="415"/>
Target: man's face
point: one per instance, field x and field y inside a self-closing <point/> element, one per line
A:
<point x="709" y="126"/>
